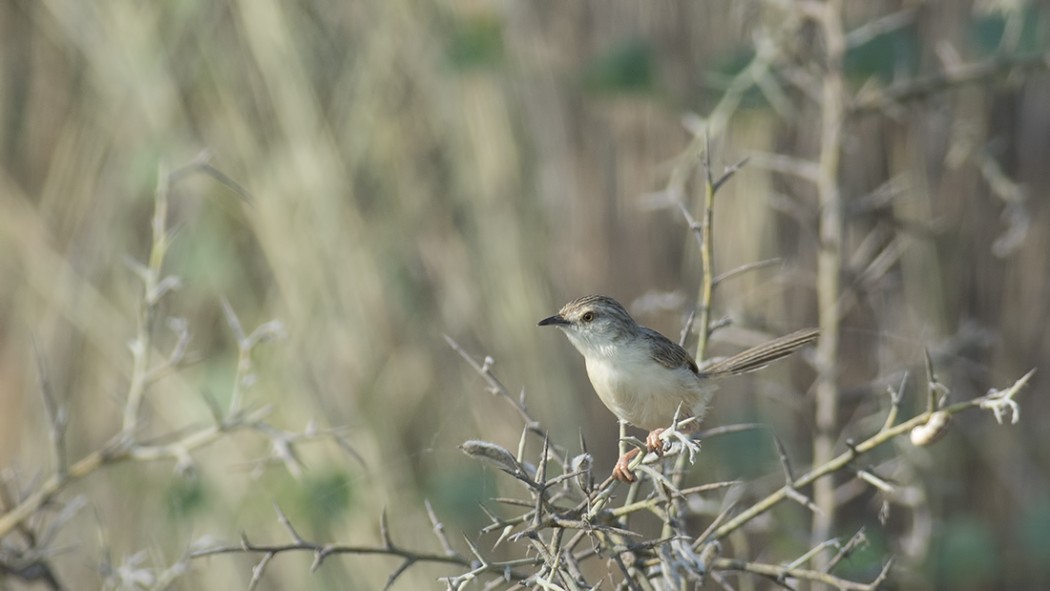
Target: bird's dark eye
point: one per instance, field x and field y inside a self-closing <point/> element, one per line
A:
<point x="587" y="316"/>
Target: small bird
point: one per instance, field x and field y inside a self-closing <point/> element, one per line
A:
<point x="643" y="377"/>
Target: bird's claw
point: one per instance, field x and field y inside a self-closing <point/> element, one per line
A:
<point x="653" y="443"/>
<point x="656" y="445"/>
<point x="622" y="470"/>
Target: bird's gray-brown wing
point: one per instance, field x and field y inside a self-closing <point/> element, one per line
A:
<point x="667" y="352"/>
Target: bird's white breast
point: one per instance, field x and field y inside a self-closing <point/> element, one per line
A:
<point x="641" y="391"/>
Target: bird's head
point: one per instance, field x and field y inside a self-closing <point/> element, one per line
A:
<point x="593" y="323"/>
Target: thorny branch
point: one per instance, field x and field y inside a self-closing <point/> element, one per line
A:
<point x="129" y="444"/>
<point x="594" y="508"/>
<point x="960" y="75"/>
<point x="548" y="527"/>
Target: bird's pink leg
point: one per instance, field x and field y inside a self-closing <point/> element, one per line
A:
<point x="622" y="471"/>
<point x="653" y="442"/>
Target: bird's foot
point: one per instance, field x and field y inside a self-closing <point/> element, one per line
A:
<point x="622" y="471"/>
<point x="654" y="444"/>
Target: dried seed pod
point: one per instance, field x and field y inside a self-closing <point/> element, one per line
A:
<point x="582" y="464"/>
<point x="493" y="453"/>
<point x="931" y="430"/>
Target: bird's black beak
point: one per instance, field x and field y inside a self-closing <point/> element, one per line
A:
<point x="556" y="320"/>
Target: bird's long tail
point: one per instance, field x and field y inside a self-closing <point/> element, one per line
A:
<point x="760" y="356"/>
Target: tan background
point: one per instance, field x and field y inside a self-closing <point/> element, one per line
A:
<point x="464" y="168"/>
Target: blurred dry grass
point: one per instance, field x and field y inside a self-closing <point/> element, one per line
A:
<point x="464" y="168"/>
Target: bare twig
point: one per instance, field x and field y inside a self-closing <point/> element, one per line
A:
<point x="496" y="387"/>
<point x="782" y="572"/>
<point x="842" y="460"/>
<point x="56" y="414"/>
<point x="745" y="269"/>
<point x="152" y="281"/>
<point x="952" y="78"/>
<point x="127" y="445"/>
<point x="389" y="548"/>
<point x="828" y="16"/>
